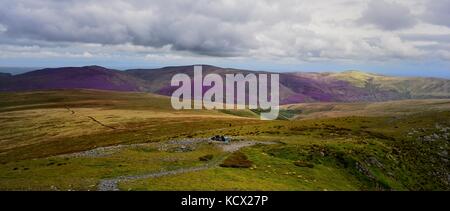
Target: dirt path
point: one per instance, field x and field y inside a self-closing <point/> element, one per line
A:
<point x="70" y="110"/>
<point x="235" y="146"/>
<point x="112" y="184"/>
<point x="101" y="124"/>
<point x="92" y="118"/>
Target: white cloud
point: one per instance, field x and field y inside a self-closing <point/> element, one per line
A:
<point x="257" y="29"/>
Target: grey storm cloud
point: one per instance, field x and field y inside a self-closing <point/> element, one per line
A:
<point x="110" y="23"/>
<point x="387" y="16"/>
<point x="438" y="12"/>
<point x="440" y="38"/>
<point x="256" y="29"/>
<point x="217" y="28"/>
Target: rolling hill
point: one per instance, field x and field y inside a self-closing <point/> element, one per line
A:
<point x="296" y="87"/>
<point x="89" y="77"/>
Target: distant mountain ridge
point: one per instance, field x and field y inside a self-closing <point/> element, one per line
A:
<point x="4" y="75"/>
<point x="88" y="77"/>
<point x="295" y="87"/>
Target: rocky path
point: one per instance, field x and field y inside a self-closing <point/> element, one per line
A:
<point x="235" y="146"/>
<point x="112" y="184"/>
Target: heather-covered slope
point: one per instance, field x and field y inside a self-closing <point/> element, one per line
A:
<point x="309" y="87"/>
<point x="350" y="86"/>
<point x="293" y="88"/>
<point x="89" y="77"/>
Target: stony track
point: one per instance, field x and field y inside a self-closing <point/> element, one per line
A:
<point x="112" y="184"/>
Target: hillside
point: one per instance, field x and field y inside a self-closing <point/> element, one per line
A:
<point x="298" y="87"/>
<point x="5" y="75"/>
<point x="408" y="87"/>
<point x="373" y="109"/>
<point x="105" y="140"/>
<point x="349" y="86"/>
<point x="88" y="77"/>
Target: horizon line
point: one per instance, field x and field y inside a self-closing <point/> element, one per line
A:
<point x="26" y="69"/>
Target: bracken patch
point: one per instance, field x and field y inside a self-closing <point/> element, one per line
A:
<point x="237" y="160"/>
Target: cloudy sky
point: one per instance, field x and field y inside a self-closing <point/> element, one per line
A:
<point x="398" y="37"/>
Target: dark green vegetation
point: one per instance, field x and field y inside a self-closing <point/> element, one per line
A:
<point x="403" y="148"/>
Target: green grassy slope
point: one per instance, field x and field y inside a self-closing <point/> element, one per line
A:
<point x="39" y="124"/>
<point x="410" y="87"/>
<point x="389" y="108"/>
<point x="400" y="145"/>
<point x="347" y="153"/>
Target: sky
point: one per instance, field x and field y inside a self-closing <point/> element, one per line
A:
<point x="392" y="37"/>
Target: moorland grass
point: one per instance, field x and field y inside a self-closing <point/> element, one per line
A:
<point x="402" y="148"/>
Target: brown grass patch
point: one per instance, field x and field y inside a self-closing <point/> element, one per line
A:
<point x="237" y="160"/>
<point x="206" y="157"/>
